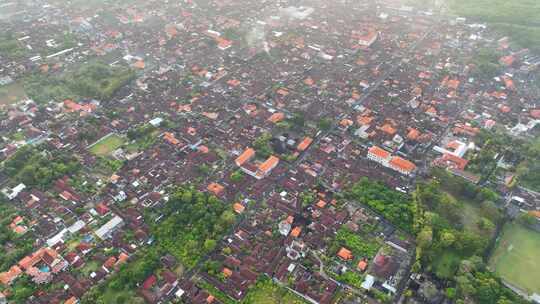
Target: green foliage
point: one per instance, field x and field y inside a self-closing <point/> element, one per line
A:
<point x="486" y="62"/>
<point x="130" y="274"/>
<point x="262" y="145"/>
<point x="22" y="245"/>
<point x="93" y="80"/>
<point x="359" y="246"/>
<point x="10" y="47"/>
<point x="193" y="223"/>
<point x="267" y="292"/>
<point x="140" y="132"/>
<point x="351" y="278"/>
<point x="517" y="19"/>
<point x="393" y="205"/>
<point x="22" y="289"/>
<point x="474" y="281"/>
<point x="324" y="124"/>
<point x="34" y="166"/>
<point x="237" y="176"/>
<point x="307" y="198"/>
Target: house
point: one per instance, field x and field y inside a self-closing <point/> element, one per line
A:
<point x="7" y="277"/>
<point x="378" y="155"/>
<point x="108" y="228"/>
<point x="267" y="166"/>
<point x="14" y="192"/>
<point x="345" y="254"/>
<point x="216" y="189"/>
<point x="402" y="165"/>
<point x="247" y="155"/>
<point x="238" y="208"/>
<point x="304" y="144"/>
<point x="395" y="163"/>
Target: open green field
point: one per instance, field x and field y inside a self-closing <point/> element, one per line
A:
<point x="516" y="257"/>
<point x="266" y="292"/>
<point x="517" y="19"/>
<point x="107" y="145"/>
<point x="122" y="296"/>
<point x="11" y="93"/>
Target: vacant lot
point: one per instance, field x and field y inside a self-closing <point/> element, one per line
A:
<point x="107" y="145"/>
<point x="267" y="292"/>
<point x="516" y="257"/>
<point x="11" y="93"/>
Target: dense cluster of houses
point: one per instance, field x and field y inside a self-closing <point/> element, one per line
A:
<point x="330" y="91"/>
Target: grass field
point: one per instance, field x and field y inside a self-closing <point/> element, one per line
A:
<point x="266" y="292"/>
<point x="516" y="257"/>
<point x="106" y="146"/>
<point x="11" y="93"/>
<point x="517" y="18"/>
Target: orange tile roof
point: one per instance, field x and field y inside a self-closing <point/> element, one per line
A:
<point x="431" y="111"/>
<point x="282" y="92"/>
<point x="345" y="254"/>
<point x="276" y="117"/>
<point x="321" y="204"/>
<point x="509" y="83"/>
<point x="453" y="145"/>
<point x="403" y="164"/>
<point x="507" y="60"/>
<point x="535" y="213"/>
<point x="19" y="229"/>
<point x="268" y="164"/>
<point x="139" y="64"/>
<point x="223" y="43"/>
<point x="388" y="129"/>
<point x="122" y="258"/>
<point x="8" y="276"/>
<point x="346" y="122"/>
<point x="379" y="152"/>
<point x="216" y="188"/>
<point x="413" y="134"/>
<point x="362" y="265"/>
<point x="309" y="81"/>
<point x="238" y="208"/>
<point x="71" y="300"/>
<point x="203" y="149"/>
<point x="453" y="84"/>
<point x="169" y="137"/>
<point x="364" y="120"/>
<point x="304" y="144"/>
<point x="290" y="219"/>
<point x="233" y="82"/>
<point x="296" y="231"/>
<point x="245" y="156"/>
<point x="227" y="272"/>
<point x="110" y="262"/>
<point x="458" y="162"/>
<point x="171" y="31"/>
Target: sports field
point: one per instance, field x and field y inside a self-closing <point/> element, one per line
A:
<point x="516" y="257"/>
<point x="107" y="145"/>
